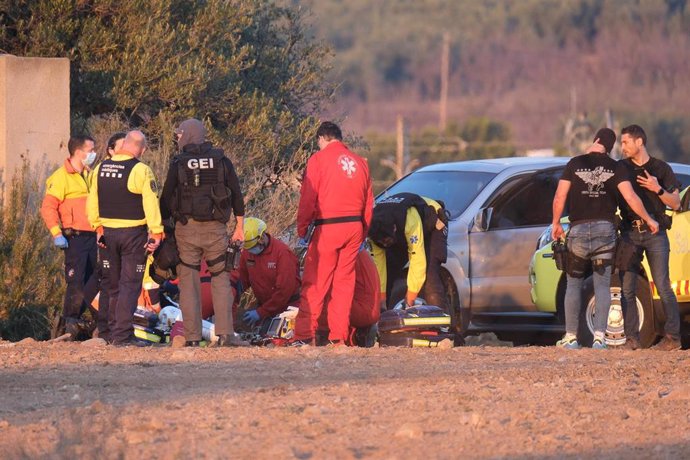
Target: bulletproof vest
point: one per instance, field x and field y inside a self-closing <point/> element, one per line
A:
<point x="394" y="208"/>
<point x="202" y="194"/>
<point x="115" y="201"/>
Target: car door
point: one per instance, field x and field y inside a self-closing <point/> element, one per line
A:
<point x="502" y="241"/>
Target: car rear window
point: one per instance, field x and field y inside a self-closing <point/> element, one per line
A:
<point x="456" y="189"/>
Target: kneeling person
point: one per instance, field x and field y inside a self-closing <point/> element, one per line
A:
<point x="270" y="269"/>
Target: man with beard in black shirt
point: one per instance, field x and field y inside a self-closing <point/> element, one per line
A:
<point x="589" y="184"/>
<point x="657" y="186"/>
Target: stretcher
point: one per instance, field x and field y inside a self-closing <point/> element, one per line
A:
<point x="417" y="326"/>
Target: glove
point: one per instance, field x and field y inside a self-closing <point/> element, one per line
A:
<point x="302" y="243"/>
<point x="251" y="317"/>
<point x="60" y="242"/>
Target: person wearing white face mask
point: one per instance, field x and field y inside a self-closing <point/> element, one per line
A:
<point x="64" y="213"/>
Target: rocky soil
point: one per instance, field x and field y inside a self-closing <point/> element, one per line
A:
<point x="69" y="400"/>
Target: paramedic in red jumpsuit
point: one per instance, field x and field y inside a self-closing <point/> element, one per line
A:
<point x="336" y="196"/>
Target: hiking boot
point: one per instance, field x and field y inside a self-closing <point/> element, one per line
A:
<point x="231" y="340"/>
<point x="302" y="343"/>
<point x="631" y="343"/>
<point x="667" y="343"/>
<point x="598" y="344"/>
<point x="72" y="328"/>
<point x="569" y="343"/>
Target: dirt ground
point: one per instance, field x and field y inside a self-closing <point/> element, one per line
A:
<point x="68" y="400"/>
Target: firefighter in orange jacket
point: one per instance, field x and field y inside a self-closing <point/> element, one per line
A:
<point x="270" y="269"/>
<point x="336" y="197"/>
<point x="64" y="213"/>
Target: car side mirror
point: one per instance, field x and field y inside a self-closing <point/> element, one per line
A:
<point x="482" y="221"/>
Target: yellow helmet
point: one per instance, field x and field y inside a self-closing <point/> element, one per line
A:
<point x="254" y="229"/>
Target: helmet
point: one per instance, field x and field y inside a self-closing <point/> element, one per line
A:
<point x="254" y="229"/>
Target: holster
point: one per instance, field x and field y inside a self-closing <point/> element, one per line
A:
<point x="628" y="255"/>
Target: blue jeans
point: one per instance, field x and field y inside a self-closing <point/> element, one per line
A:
<point x="584" y="240"/>
<point x="656" y="248"/>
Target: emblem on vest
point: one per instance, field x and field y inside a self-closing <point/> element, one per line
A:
<point x="111" y="170"/>
<point x="271" y="265"/>
<point x="348" y="165"/>
<point x="200" y="163"/>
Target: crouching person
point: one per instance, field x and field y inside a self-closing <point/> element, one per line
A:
<point x="271" y="270"/>
<point x="201" y="192"/>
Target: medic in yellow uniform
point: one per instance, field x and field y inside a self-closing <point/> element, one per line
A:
<point x="409" y="228"/>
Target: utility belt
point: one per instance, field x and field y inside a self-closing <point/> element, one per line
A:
<point x="338" y="220"/>
<point x="576" y="266"/>
<point x="640" y="226"/>
<point x="70" y="232"/>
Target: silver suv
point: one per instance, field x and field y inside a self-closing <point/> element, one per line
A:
<point x="498" y="207"/>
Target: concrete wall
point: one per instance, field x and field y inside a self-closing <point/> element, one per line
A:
<point x="34" y="112"/>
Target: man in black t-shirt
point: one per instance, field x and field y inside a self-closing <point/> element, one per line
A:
<point x="657" y="186"/>
<point x="590" y="184"/>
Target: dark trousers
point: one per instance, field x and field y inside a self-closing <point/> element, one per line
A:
<point x="433" y="292"/>
<point x="82" y="284"/>
<point x="657" y="249"/>
<point x="126" y="254"/>
<point x="105" y="323"/>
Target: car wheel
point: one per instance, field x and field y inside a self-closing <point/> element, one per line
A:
<point x="459" y="319"/>
<point x="615" y="331"/>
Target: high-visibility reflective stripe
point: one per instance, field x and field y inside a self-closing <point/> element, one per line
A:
<point x="431" y="321"/>
<point x="679" y="287"/>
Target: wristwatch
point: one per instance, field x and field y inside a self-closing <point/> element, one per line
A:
<point x="661" y="191"/>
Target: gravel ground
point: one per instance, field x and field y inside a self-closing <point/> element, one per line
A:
<point x="70" y="400"/>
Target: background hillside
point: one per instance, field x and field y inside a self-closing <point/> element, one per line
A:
<point x="527" y="65"/>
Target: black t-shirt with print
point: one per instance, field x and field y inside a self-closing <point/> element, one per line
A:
<point x="594" y="179"/>
<point x="652" y="202"/>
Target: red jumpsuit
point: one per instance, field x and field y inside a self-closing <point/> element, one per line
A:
<point x="273" y="275"/>
<point x="336" y="184"/>
<point x="365" y="304"/>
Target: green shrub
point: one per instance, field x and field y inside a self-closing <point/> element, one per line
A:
<point x="31" y="280"/>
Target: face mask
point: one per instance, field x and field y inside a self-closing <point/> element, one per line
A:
<point x="90" y="158"/>
<point x="256" y="250"/>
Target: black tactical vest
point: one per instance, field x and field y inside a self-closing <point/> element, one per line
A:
<point x="115" y="201"/>
<point x="202" y="194"/>
<point x="395" y="208"/>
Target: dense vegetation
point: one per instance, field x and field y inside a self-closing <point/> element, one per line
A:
<point x="243" y="66"/>
<point x="529" y="64"/>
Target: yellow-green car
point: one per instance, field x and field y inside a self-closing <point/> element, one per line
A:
<point x="548" y="284"/>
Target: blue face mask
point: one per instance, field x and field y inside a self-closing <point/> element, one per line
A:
<point x="256" y="250"/>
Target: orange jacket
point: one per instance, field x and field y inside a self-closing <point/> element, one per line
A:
<point x="64" y="205"/>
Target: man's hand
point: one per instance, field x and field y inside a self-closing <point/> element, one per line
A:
<point x="596" y="147"/>
<point x="153" y="242"/>
<point x="557" y="231"/>
<point x="99" y="238"/>
<point x="649" y="182"/>
<point x="653" y="225"/>
<point x="410" y="297"/>
<point x="60" y="241"/>
<point x="238" y="235"/>
<point x="251" y="317"/>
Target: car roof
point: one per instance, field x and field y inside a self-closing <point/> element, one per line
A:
<point x="497" y="165"/>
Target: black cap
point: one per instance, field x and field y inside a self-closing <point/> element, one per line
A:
<point x="606" y="138"/>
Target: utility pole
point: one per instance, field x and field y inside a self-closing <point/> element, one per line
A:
<point x="402" y="164"/>
<point x="445" y="71"/>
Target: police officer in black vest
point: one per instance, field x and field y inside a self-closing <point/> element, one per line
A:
<point x="123" y="208"/>
<point x="200" y="193"/>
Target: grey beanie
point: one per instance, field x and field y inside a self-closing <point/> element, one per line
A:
<point x="192" y="131"/>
